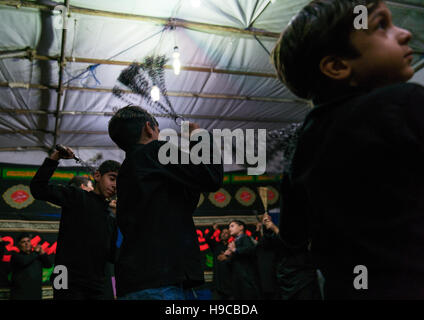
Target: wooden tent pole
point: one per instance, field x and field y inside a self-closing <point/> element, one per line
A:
<point x="186" y="68"/>
<point x="202" y="27"/>
<point x="109" y="114"/>
<point x="170" y="93"/>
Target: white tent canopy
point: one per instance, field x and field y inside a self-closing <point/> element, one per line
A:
<point x="226" y="81"/>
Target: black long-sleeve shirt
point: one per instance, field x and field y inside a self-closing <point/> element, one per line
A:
<point x="27" y="273"/>
<point x="221" y="269"/>
<point x="266" y="253"/>
<point x="86" y="233"/>
<point x="244" y="270"/>
<point x="356" y="189"/>
<point x="154" y="211"/>
<point x="293" y="269"/>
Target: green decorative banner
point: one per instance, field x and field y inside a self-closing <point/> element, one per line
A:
<point x="20" y="173"/>
<point x="239" y="178"/>
<point x="244" y="178"/>
<point x="265" y="178"/>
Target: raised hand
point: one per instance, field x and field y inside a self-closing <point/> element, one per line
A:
<point x="112" y="206"/>
<point x="64" y="153"/>
<point x="269" y="224"/>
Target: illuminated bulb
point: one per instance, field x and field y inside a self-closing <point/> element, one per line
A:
<point x="195" y="3"/>
<point x="177" y="63"/>
<point x="155" y="93"/>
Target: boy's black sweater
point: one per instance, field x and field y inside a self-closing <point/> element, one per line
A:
<point x="86" y="233"/>
<point x="221" y="269"/>
<point x="356" y="188"/>
<point x="154" y="211"/>
<point x="244" y="270"/>
<point x="27" y="275"/>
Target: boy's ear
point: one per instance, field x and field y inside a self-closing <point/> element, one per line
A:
<point x="97" y="175"/>
<point x="335" y="68"/>
<point x="148" y="130"/>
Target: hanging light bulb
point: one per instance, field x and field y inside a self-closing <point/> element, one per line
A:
<point x="177" y="63"/>
<point x="195" y="3"/>
<point x="155" y="93"/>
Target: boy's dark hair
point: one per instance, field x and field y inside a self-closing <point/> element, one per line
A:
<point x="321" y="28"/>
<point x="109" y="166"/>
<point x="126" y="126"/>
<point x="23" y="235"/>
<point x="240" y="223"/>
<point x="77" y="181"/>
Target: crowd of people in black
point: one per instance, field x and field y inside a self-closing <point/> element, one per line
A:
<point x="352" y="191"/>
<point x="259" y="266"/>
<point x="245" y="267"/>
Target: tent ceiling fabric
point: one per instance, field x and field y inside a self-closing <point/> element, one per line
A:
<point x="229" y="99"/>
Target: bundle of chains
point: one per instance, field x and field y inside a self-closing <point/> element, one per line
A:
<point x="140" y="79"/>
<point x="280" y="148"/>
<point x="282" y="141"/>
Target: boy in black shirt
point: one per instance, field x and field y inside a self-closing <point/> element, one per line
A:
<point x="221" y="267"/>
<point x="160" y="254"/>
<point x="27" y="270"/>
<point x="356" y="181"/>
<point x="87" y="232"/>
<point x="244" y="270"/>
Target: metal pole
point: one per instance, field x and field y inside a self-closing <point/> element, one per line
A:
<point x="62" y="63"/>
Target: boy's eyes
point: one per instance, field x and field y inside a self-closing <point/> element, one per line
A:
<point x="112" y="177"/>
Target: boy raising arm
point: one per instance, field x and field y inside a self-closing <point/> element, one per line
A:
<point x="87" y="233"/>
<point x="160" y="255"/>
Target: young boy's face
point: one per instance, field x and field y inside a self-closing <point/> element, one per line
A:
<point x="385" y="57"/>
<point x="25" y="245"/>
<point x="225" y="234"/>
<point x="235" y="229"/>
<point x="105" y="184"/>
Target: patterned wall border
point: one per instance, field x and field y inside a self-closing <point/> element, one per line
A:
<point x="53" y="226"/>
<point x="221" y="220"/>
<point x="29" y="226"/>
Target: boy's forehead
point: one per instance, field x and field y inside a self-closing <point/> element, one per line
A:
<point x="375" y="10"/>
<point x="112" y="174"/>
<point x="378" y="9"/>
